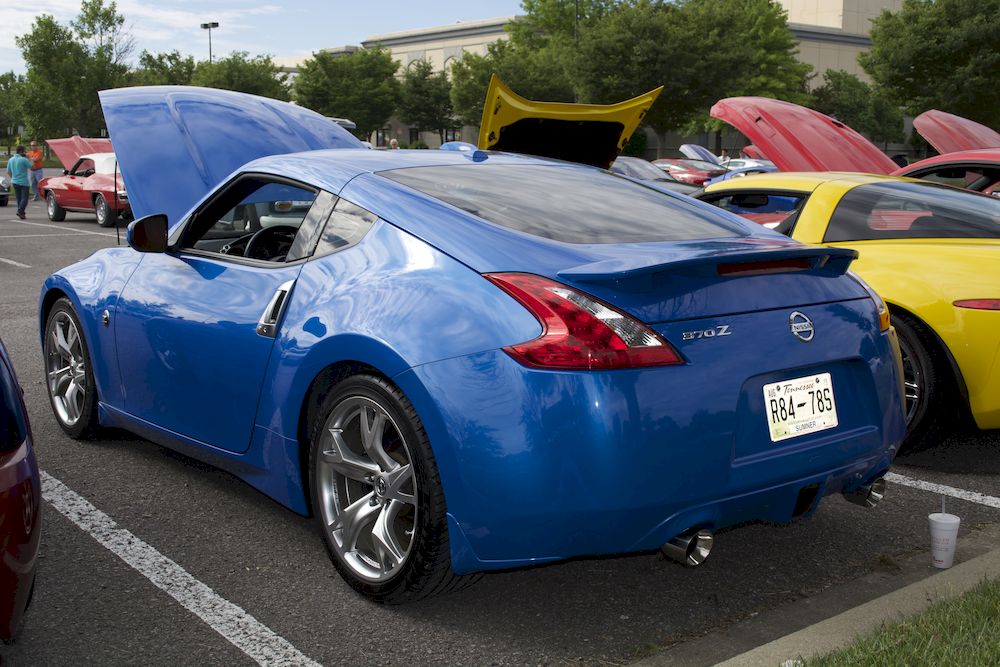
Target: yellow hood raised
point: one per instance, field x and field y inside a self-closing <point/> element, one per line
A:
<point x="591" y="134"/>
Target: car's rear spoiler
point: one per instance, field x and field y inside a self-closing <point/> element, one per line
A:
<point x="717" y="261"/>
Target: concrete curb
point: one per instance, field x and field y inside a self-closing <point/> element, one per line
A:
<point x="841" y="630"/>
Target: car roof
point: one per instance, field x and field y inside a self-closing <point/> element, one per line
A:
<point x="958" y="157"/>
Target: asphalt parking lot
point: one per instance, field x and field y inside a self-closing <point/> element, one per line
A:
<point x="256" y="558"/>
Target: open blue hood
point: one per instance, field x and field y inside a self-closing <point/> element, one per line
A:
<point x="176" y="143"/>
<point x="696" y="152"/>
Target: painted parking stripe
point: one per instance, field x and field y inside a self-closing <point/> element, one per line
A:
<point x="71" y="229"/>
<point x="961" y="494"/>
<point x="240" y="628"/>
<point x="13" y="263"/>
<point x="35" y="236"/>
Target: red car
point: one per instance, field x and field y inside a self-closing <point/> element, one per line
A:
<point x="801" y="139"/>
<point x="90" y="182"/>
<point x="20" y="498"/>
<point x="685" y="170"/>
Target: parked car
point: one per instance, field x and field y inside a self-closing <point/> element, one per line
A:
<point x="644" y="170"/>
<point x="91" y="182"/>
<point x="459" y="361"/>
<point x="931" y="251"/>
<point x="801" y="139"/>
<point x="740" y="172"/>
<point x="686" y="170"/>
<point x="20" y="502"/>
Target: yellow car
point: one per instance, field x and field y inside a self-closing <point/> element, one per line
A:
<point x="931" y="251"/>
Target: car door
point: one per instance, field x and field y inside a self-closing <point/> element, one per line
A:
<point x="76" y="195"/>
<point x="195" y="325"/>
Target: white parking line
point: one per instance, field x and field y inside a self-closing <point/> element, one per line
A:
<point x="13" y="263"/>
<point x="240" y="628"/>
<point x="34" y="236"/>
<point x="962" y="494"/>
<point x="69" y="229"/>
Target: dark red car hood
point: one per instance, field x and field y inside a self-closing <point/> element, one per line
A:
<point x="949" y="133"/>
<point x="70" y="149"/>
<point x="799" y="139"/>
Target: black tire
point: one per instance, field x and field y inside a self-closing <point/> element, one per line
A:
<point x="106" y="216"/>
<point x="67" y="362"/>
<point x="931" y="406"/>
<point x="3" y="201"/>
<point x="425" y="568"/>
<point x="56" y="212"/>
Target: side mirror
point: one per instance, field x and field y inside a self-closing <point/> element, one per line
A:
<point x="148" y="234"/>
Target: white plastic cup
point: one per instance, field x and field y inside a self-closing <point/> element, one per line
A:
<point x="944" y="535"/>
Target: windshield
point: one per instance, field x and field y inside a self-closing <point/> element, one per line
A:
<point x="639" y="168"/>
<point x="906" y="210"/>
<point x="704" y="166"/>
<point x="567" y="204"/>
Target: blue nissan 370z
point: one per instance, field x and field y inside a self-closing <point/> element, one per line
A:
<point x="463" y="361"/>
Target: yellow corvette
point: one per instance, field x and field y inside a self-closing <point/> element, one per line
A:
<point x="932" y="252"/>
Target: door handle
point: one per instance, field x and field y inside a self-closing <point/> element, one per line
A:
<point x="267" y="325"/>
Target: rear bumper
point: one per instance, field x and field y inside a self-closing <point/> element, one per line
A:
<point x="540" y="466"/>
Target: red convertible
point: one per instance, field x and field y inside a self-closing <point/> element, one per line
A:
<point x="90" y="182"/>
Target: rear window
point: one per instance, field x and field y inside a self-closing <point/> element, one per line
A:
<point x="913" y="211"/>
<point x="13" y="430"/>
<point x="764" y="208"/>
<point x="571" y="205"/>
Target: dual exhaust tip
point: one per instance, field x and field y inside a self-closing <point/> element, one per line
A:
<point x="693" y="546"/>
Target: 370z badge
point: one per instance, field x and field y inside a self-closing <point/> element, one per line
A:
<point x="721" y="330"/>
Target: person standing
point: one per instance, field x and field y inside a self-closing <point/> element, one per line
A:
<point x="17" y="168"/>
<point x="35" y="155"/>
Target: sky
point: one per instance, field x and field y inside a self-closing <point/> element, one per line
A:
<point x="281" y="30"/>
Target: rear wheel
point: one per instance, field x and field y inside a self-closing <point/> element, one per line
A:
<point x="930" y="396"/>
<point x="69" y="374"/>
<point x="106" y="216"/>
<point x="377" y="494"/>
<point x="56" y="212"/>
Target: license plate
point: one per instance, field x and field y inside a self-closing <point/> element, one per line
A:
<point x="800" y="406"/>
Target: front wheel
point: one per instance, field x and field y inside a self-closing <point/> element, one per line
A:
<point x="69" y="374"/>
<point x="930" y="399"/>
<point x="377" y="493"/>
<point x="106" y="217"/>
<point x="56" y="212"/>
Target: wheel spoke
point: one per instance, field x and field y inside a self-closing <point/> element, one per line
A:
<point x="339" y="457"/>
<point x="395" y="481"/>
<point x="371" y="437"/>
<point x="353" y="519"/>
<point x="58" y="379"/>
<point x="72" y="399"/>
<point x="391" y="552"/>
<point x="62" y="346"/>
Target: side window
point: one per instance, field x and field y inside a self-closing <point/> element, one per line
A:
<point x="347" y="225"/>
<point x="254" y="217"/>
<point x="775" y="211"/>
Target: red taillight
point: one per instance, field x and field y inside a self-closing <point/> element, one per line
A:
<point x="979" y="304"/>
<point x="580" y="332"/>
<point x="764" y="268"/>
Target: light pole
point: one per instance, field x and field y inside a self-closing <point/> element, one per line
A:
<point x="208" y="27"/>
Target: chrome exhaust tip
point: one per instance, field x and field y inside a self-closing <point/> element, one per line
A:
<point x="691" y="547"/>
<point x="867" y="495"/>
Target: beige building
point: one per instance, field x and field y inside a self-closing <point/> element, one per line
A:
<point x="830" y="34"/>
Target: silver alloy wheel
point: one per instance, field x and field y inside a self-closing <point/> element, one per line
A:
<point x="50" y="204"/>
<point x="66" y="367"/>
<point x="913" y="378"/>
<point x="367" y="488"/>
<point x="101" y="210"/>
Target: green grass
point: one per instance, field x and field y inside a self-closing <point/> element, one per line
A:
<point x="963" y="631"/>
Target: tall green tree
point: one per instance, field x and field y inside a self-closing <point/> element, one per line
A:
<point x="425" y="99"/>
<point x="361" y="86"/>
<point x="856" y="104"/>
<point x="257" y="75"/>
<point x="537" y="73"/>
<point x="11" y="114"/>
<point x="939" y="54"/>
<point x="53" y="82"/>
<point x="162" y="69"/>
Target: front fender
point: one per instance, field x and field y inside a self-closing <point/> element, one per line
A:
<point x="93" y="285"/>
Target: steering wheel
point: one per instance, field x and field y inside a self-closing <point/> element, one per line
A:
<point x="271" y="242"/>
